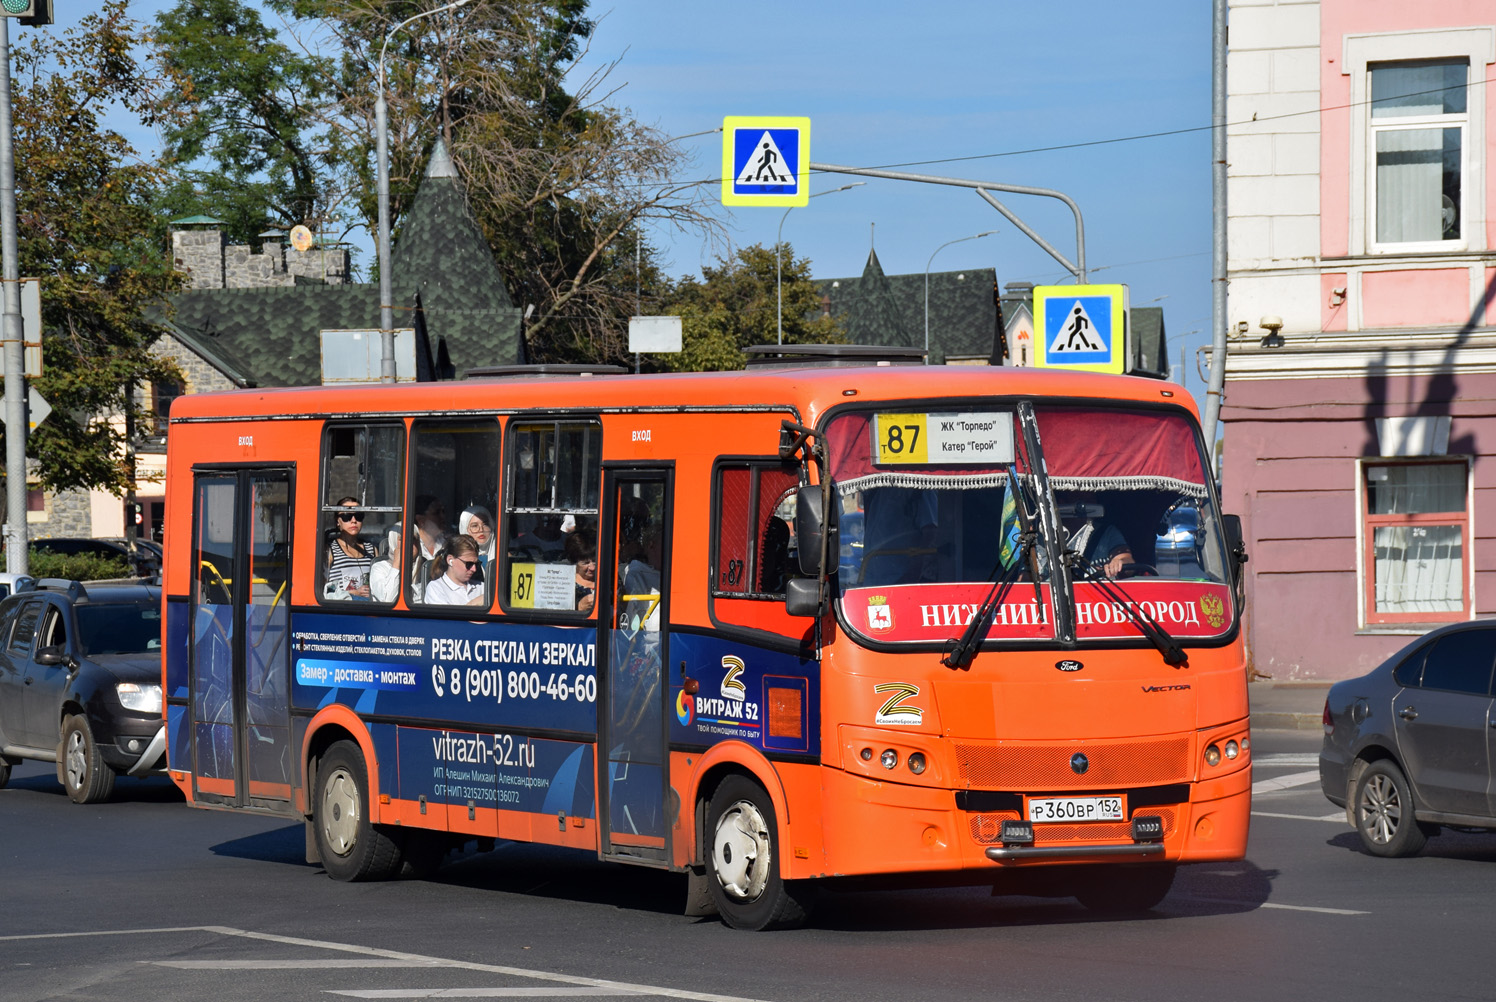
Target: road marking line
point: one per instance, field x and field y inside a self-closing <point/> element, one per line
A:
<point x="478" y="993"/>
<point x="1310" y="908"/>
<point x="1285" y="782"/>
<point x="1337" y="816"/>
<point x="283" y="965"/>
<point x="1287" y="758"/>
<point x="413" y="959"/>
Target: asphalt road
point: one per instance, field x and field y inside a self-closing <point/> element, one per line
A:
<point x="145" y="899"/>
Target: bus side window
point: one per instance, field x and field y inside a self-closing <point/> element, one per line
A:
<point x="754" y="542"/>
<point x="553" y="483"/>
<point x="454" y="474"/>
<point x="363" y="468"/>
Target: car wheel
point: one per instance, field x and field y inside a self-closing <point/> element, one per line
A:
<point x="1126" y="889"/>
<point x="84" y="775"/>
<point x="4" y="773"/>
<point x="1384" y="812"/>
<point x="743" y="865"/>
<point x="350" y="846"/>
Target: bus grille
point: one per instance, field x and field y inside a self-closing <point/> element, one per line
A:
<point x="986" y="829"/>
<point x="1046" y="767"/>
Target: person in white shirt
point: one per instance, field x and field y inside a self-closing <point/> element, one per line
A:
<point x="452" y="574"/>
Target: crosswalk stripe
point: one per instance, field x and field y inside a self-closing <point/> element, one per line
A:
<point x="1285" y="782"/>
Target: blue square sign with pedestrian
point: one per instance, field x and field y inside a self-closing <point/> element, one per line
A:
<point x="1081" y="327"/>
<point x="765" y="161"/>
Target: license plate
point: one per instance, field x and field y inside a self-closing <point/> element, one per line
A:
<point x="1076" y="809"/>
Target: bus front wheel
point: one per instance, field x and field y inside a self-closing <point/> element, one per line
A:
<point x="350" y="846"/>
<point x="743" y="866"/>
<point x="1125" y="889"/>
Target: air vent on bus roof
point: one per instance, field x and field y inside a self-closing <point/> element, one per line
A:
<point x="834" y="355"/>
<point x="547" y="369"/>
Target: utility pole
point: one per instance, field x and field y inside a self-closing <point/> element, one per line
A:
<point x="17" y="559"/>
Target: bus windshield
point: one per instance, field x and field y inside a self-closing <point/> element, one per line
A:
<point x="935" y="506"/>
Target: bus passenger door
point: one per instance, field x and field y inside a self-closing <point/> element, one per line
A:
<point x="633" y="645"/>
<point x="238" y="661"/>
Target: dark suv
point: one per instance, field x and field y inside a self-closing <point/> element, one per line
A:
<point x="80" y="683"/>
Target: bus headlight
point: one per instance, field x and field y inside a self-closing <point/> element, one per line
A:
<point x="1212" y="754"/>
<point x="916" y="762"/>
<point x="890" y="758"/>
<point x="1231" y="750"/>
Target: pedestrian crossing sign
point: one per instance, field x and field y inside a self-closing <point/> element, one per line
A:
<point x="765" y="161"/>
<point x="1081" y="327"/>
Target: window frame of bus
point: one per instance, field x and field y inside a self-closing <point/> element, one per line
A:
<point x="763" y="613"/>
<point x="330" y="506"/>
<point x="591" y="454"/>
<point x="445" y="424"/>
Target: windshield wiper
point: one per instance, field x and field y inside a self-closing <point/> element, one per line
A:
<point x="964" y="648"/>
<point x="1168" y="647"/>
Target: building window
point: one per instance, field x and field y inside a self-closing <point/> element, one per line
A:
<point x="163" y="393"/>
<point x="1418" y="124"/>
<point x="1417" y="542"/>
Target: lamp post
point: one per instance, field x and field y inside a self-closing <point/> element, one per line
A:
<point x="779" y="258"/>
<point x="382" y="154"/>
<point x="937" y="250"/>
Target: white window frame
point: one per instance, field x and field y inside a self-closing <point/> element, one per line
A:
<point x="1361" y="52"/>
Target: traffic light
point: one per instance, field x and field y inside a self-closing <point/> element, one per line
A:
<point x="32" y="13"/>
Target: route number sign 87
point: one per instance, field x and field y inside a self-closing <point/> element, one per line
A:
<point x="900" y="438"/>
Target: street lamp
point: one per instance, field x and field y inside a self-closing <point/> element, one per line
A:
<point x="974" y="236"/>
<point x="381" y="128"/>
<point x="779" y="257"/>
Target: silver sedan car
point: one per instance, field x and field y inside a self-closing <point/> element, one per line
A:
<point x="1408" y="746"/>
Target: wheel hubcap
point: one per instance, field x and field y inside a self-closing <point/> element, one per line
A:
<point x="741" y="853"/>
<point x="76" y="761"/>
<point x="340" y="812"/>
<point x="1381" y="809"/>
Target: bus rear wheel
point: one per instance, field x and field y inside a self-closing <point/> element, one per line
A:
<point x="350" y="846"/>
<point x="743" y="864"/>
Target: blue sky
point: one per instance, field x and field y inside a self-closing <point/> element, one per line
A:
<point x="886" y="82"/>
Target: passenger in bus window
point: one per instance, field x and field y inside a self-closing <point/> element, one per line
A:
<point x="384" y="576"/>
<point x="430" y="531"/>
<point x="452" y="574"/>
<point x="475" y="521"/>
<point x="581" y="553"/>
<point x="899" y="535"/>
<point x="349" y="557"/>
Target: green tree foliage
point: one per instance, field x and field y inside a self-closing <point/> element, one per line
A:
<point x="87" y="229"/>
<point x="243" y="128"/>
<point x="559" y="180"/>
<point x="735" y="304"/>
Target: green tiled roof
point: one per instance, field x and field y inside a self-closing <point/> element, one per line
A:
<point x="269" y="336"/>
<point x="889" y="310"/>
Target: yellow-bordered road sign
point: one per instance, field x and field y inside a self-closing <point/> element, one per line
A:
<point x="765" y="161"/>
<point x="1081" y="327"/>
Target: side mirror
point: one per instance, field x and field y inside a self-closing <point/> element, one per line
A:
<point x="810" y="527"/>
<point x="1231" y="527"/>
<point x="55" y="655"/>
<point x="802" y="596"/>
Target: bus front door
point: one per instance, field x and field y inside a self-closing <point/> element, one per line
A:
<point x="633" y="638"/>
<point x="238" y="661"/>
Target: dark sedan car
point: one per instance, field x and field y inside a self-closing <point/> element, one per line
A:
<point x="80" y="683"/>
<point x="1407" y="747"/>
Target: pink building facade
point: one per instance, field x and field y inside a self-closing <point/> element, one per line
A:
<point x="1360" y="408"/>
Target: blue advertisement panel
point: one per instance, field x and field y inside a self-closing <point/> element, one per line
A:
<point x="499" y="675"/>
<point x="505" y="771"/>
<point x="768" y="699"/>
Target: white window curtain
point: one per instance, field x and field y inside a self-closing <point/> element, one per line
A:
<point x="1418" y="568"/>
<point x="1418" y="113"/>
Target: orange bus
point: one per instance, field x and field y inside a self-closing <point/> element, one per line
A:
<point x="819" y="619"/>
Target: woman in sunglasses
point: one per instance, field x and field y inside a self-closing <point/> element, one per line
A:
<point x="349" y="558"/>
<point x="452" y="574"/>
